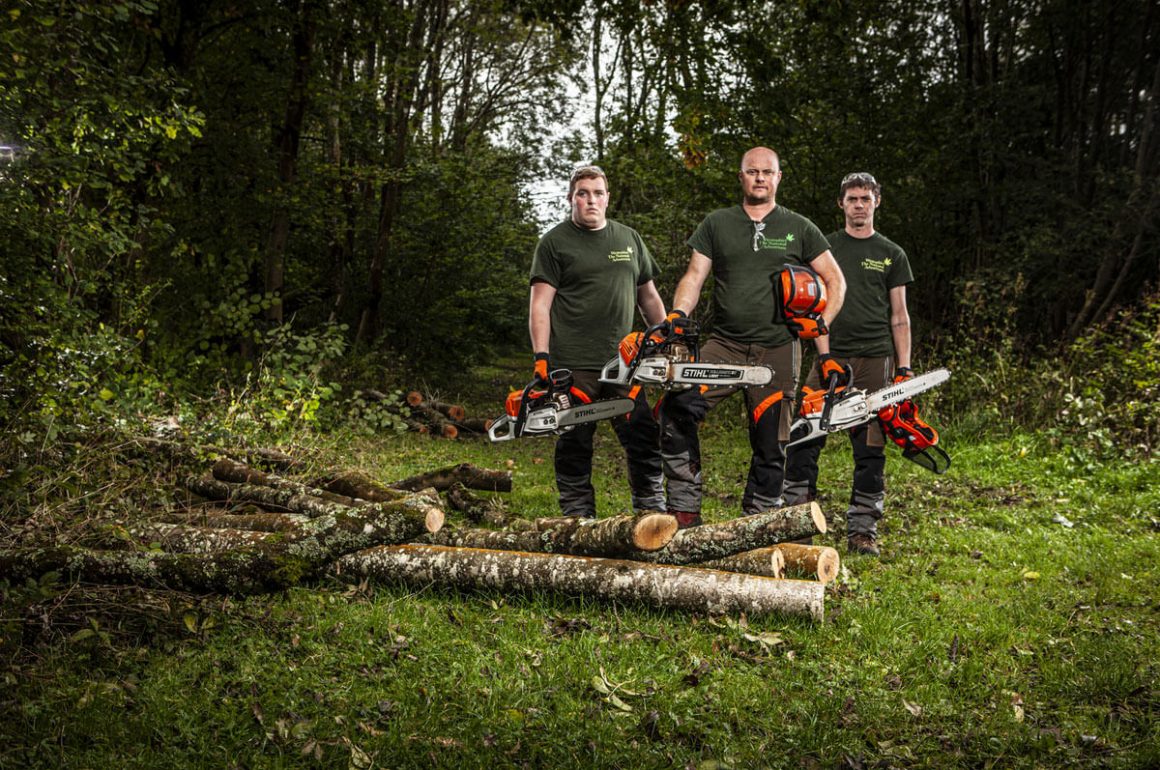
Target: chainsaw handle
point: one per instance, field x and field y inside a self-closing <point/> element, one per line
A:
<point x="504" y="422"/>
<point x="828" y="401"/>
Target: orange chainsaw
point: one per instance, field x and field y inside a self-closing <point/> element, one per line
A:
<point x="826" y="411"/>
<point x="669" y="359"/>
<point x="542" y="409"/>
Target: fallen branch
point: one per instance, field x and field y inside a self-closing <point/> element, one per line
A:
<point x="465" y="473"/>
<point x="686" y="588"/>
<point x="475" y="508"/>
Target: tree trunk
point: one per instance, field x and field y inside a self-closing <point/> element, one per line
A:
<point x="411" y="511"/>
<point x="182" y="538"/>
<point x="813" y="560"/>
<point x="475" y="508"/>
<point x="455" y="412"/>
<point x="359" y="486"/>
<point x="666" y="586"/>
<point x="616" y="536"/>
<point x="465" y="473"/>
<point x="716" y="541"/>
<point x="767" y="562"/>
<point x="257" y="522"/>
<point x="237" y="473"/>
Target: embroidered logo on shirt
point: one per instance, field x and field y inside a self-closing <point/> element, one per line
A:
<point x="876" y="265"/>
<point x="779" y="244"/>
<point x="624" y="255"/>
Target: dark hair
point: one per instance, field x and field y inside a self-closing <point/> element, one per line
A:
<point x="586" y="172"/>
<point x="860" y="179"/>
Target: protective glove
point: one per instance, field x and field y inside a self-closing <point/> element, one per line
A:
<point x="828" y="366"/>
<point x="903" y="373"/>
<point x="806" y="327"/>
<point x="540" y="374"/>
<point x="677" y="323"/>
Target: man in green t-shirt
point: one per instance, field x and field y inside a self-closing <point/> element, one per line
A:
<point x="872" y="336"/>
<point x="742" y="247"/>
<point x="588" y="276"/>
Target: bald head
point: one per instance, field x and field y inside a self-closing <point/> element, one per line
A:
<point x="760" y="156"/>
<point x="760" y="174"/>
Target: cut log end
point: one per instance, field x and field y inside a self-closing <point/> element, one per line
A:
<point x="818" y="516"/>
<point x="654" y="531"/>
<point x="811" y="559"/>
<point x="449" y="431"/>
<point x="414" y="398"/>
<point x="434" y="520"/>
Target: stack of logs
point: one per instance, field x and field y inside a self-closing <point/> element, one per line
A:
<point x="257" y="531"/>
<point x="430" y="416"/>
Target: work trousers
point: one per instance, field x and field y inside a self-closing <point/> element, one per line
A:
<point x="868" y="444"/>
<point x="682" y="412"/>
<point x="637" y="432"/>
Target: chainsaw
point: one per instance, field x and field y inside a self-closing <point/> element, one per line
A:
<point x="555" y="407"/>
<point x="841" y="408"/>
<point x="668" y="358"/>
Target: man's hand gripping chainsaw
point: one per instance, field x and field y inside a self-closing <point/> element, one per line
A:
<point x="666" y="356"/>
<point x="834" y="409"/>
<point x="542" y="409"/>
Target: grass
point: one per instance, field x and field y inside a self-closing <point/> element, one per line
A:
<point x="989" y="634"/>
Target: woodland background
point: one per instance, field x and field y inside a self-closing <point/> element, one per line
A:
<point x="226" y="223"/>
<point x="202" y="191"/>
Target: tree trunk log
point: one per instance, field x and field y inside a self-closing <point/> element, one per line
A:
<point x="616" y="536"/>
<point x="179" y="538"/>
<point x="465" y="473"/>
<point x="767" y="562"/>
<point x="237" y="473"/>
<point x="256" y="522"/>
<point x="473" y="424"/>
<point x="475" y="508"/>
<point x="413" y="508"/>
<point x="818" y="560"/>
<point x="686" y="588"/>
<point x="360" y="486"/>
<point x="716" y="541"/>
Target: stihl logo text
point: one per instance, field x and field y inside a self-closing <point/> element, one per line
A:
<point x="712" y="374"/>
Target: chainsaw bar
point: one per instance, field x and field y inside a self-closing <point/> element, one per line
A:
<point x="661" y="371"/>
<point x="548" y="420"/>
<point x="855" y="407"/>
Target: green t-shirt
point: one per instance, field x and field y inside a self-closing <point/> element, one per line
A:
<point x="872" y="266"/>
<point x="596" y="274"/>
<point x="745" y="256"/>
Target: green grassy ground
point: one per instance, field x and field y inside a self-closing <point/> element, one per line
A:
<point x="989" y="634"/>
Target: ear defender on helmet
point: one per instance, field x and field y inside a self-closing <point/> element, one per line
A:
<point x="800" y="297"/>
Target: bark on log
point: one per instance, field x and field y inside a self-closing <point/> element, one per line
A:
<point x="465" y="473"/>
<point x="716" y="541"/>
<point x="473" y="424"/>
<point x="360" y="486"/>
<point x="659" y="585"/>
<point x="615" y="536"/>
<point x="414" y="508"/>
<point x="814" y="560"/>
<point x="269" y="562"/>
<point x="475" y="508"/>
<point x="243" y="571"/>
<point x="454" y="412"/>
<point x="768" y="562"/>
<point x="237" y="473"/>
<point x="256" y="522"/>
<point x="179" y="538"/>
